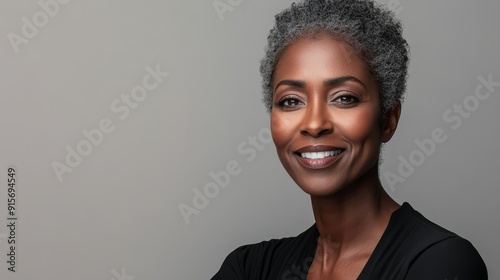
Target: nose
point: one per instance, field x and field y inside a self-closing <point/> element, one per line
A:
<point x="317" y="119"/>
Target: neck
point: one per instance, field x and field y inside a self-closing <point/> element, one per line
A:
<point x="352" y="221"/>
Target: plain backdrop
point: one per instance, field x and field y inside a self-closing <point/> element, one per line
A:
<point x="69" y="68"/>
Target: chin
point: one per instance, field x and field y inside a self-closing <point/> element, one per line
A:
<point x="320" y="187"/>
<point x="324" y="184"/>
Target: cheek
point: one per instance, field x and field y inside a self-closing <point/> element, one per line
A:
<point x="360" y="126"/>
<point x="280" y="129"/>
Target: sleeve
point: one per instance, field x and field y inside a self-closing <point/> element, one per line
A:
<point x="451" y="259"/>
<point x="230" y="268"/>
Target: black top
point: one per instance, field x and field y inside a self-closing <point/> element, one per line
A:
<point x="411" y="247"/>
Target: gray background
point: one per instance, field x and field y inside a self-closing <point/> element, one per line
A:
<point x="116" y="214"/>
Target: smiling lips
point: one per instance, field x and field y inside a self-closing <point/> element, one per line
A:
<point x="320" y="156"/>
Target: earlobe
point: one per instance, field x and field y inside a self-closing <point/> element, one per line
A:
<point x="390" y="123"/>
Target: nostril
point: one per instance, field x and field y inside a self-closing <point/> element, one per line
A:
<point x="316" y="120"/>
<point x="316" y="132"/>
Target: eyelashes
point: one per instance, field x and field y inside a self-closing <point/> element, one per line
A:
<point x="288" y="102"/>
<point x="347" y="99"/>
<point x="343" y="101"/>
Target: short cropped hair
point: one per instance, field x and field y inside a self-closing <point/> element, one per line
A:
<point x="371" y="29"/>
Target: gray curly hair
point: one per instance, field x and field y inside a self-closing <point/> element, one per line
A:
<point x="373" y="32"/>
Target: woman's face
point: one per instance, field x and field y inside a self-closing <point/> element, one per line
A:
<point x="325" y="119"/>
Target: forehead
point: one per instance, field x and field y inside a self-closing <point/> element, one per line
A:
<point x="318" y="58"/>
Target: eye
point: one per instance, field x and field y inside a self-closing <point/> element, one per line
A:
<point x="346" y="100"/>
<point x="288" y="103"/>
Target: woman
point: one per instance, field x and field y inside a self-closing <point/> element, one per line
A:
<point x="333" y="77"/>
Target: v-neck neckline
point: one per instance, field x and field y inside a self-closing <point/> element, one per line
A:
<point x="314" y="243"/>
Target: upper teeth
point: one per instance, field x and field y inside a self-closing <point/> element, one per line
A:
<point x="316" y="155"/>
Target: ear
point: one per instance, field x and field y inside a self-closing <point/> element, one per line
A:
<point x="390" y="123"/>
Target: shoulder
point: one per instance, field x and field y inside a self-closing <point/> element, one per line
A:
<point x="259" y="260"/>
<point x="413" y="247"/>
<point x="440" y="253"/>
<point x="452" y="258"/>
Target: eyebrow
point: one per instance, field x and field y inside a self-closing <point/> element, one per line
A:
<point x="329" y="83"/>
